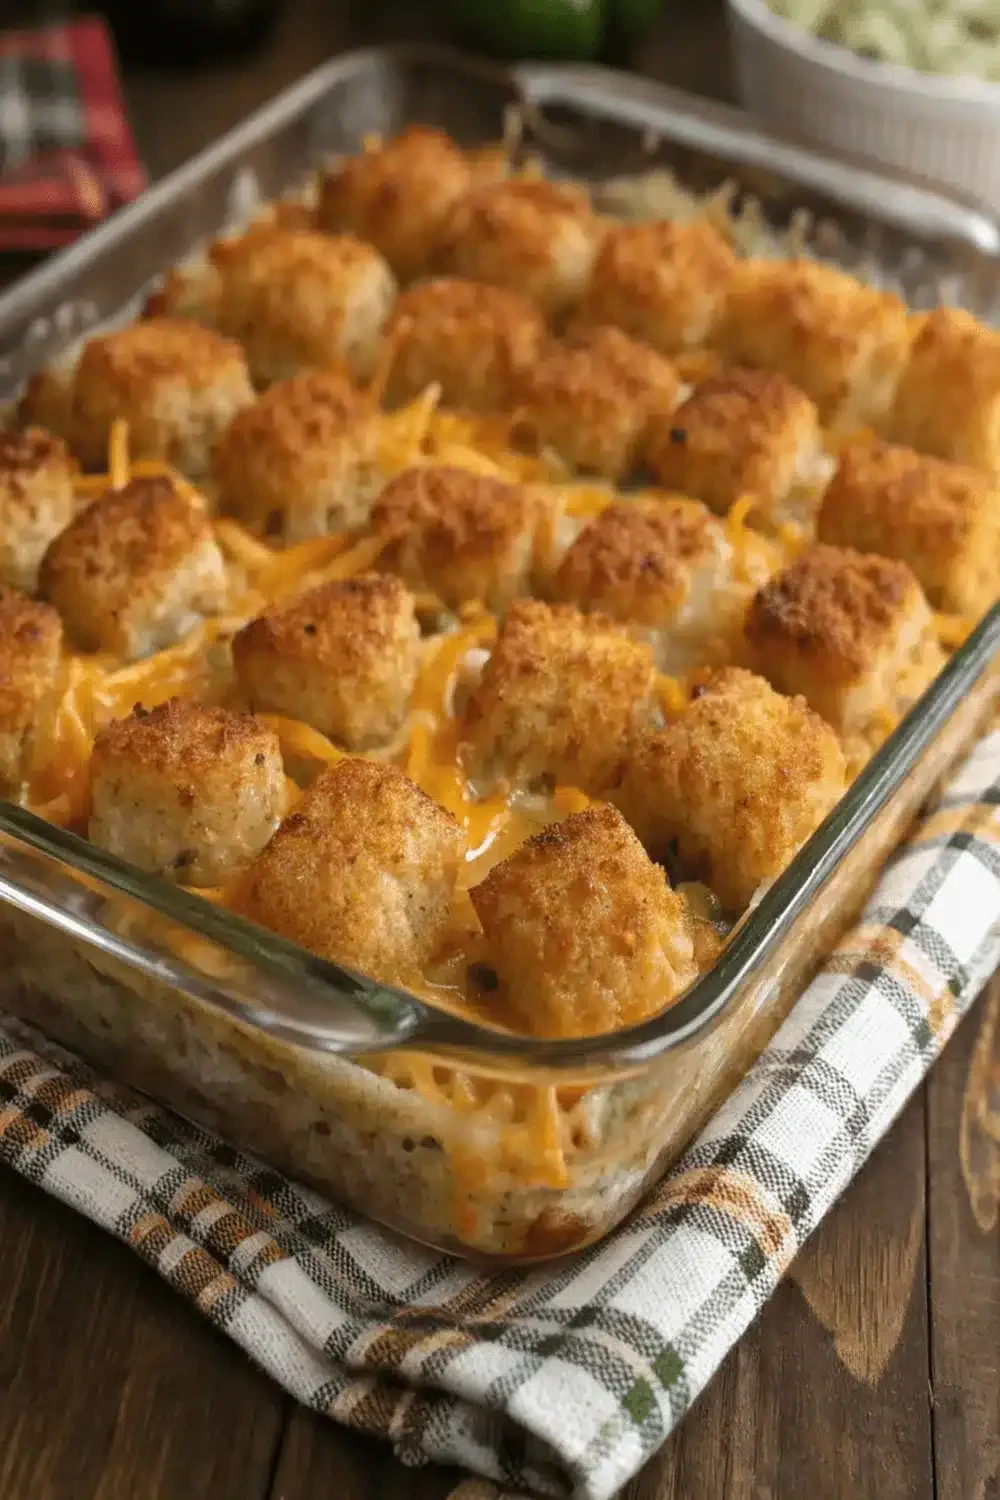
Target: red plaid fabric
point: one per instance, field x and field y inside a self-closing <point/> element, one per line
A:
<point x="67" y="157"/>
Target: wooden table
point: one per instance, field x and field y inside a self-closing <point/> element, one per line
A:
<point x="872" y="1374"/>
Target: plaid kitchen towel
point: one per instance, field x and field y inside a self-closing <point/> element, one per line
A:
<point x="67" y="157"/>
<point x="564" y="1380"/>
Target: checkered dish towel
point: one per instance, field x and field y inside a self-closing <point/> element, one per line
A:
<point x="564" y="1380"/>
<point x="67" y="157"/>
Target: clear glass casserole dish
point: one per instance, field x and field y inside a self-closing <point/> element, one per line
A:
<point x="257" y="1039"/>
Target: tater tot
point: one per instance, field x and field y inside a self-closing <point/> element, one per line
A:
<point x="852" y="633"/>
<point x="537" y="238"/>
<point x="361" y="872"/>
<point x="664" y="283"/>
<point x="584" y="932"/>
<point x="37" y="501"/>
<point x="462" y="535"/>
<point x="558" y="699"/>
<point x="30" y="651"/>
<point x="342" y="657"/>
<point x="186" y="791"/>
<point x="176" y="385"/>
<point x="948" y="400"/>
<point x="592" y="398"/>
<point x="733" y="787"/>
<point x="840" y="341"/>
<point x="469" y="339"/>
<point x="943" y="519"/>
<point x="662" y="566"/>
<point x="135" y="570"/>
<point x="396" y="195"/>
<point x="302" y="460"/>
<point x="742" y="432"/>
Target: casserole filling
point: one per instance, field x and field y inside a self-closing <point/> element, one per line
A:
<point x="477" y="708"/>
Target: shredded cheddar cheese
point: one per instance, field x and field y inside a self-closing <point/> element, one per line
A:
<point x="345" y="564"/>
<point x="585" y="502"/>
<point x="297" y="738"/>
<point x="696" y="365"/>
<point x="531" y="1127"/>
<point x="242" y="546"/>
<point x="118" y="468"/>
<point x="884" y="723"/>
<point x="402" y="433"/>
<point x="568" y="799"/>
<point x="672" y="696"/>
<point x="736" y="519"/>
<point x="793" y="539"/>
<point x="953" y="630"/>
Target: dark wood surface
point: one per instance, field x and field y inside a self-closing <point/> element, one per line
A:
<point x="873" y="1372"/>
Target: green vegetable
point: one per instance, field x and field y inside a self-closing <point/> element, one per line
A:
<point x="578" y="30"/>
<point x="631" y="19"/>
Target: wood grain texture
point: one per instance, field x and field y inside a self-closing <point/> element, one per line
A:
<point x="827" y="1396"/>
<point x="318" y="1459"/>
<point x="109" y="1387"/>
<point x="965" y="1266"/>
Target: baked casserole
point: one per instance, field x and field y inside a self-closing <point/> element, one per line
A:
<point x="491" y="599"/>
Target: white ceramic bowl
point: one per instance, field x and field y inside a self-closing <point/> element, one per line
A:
<point x="945" y="130"/>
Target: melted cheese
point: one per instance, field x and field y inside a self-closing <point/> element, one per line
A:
<point x="736" y="520"/>
<point x="402" y="433"/>
<point x="242" y="546"/>
<point x="530" y="1128"/>
<point x="953" y="630"/>
<point x="118" y="472"/>
<point x="671" y="695"/>
<point x="297" y="738"/>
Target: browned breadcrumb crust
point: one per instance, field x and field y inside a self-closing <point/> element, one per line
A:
<point x="842" y="342"/>
<point x="739" y="432"/>
<point x="360" y="872"/>
<point x="637" y="560"/>
<point x="536" y="237"/>
<point x="183" y="737"/>
<point x="559" y="697"/>
<point x="853" y="633"/>
<point x="26" y="452"/>
<point x="583" y="930"/>
<point x="297" y="298"/>
<point x="396" y="195"/>
<point x="664" y="283"/>
<point x="468" y="338"/>
<point x="300" y="461"/>
<point x="943" y="519"/>
<point x="836" y="603"/>
<point x="735" y="786"/>
<point x="30" y="651"/>
<point x="564" y="697"/>
<point x="175" y="383"/>
<point x="592" y="396"/>
<point x="187" y="790"/>
<point x="342" y="657"/>
<point x="37" y="500"/>
<point x="948" y="399"/>
<point x="464" y="535"/>
<point x="155" y="348"/>
<point x="140" y="554"/>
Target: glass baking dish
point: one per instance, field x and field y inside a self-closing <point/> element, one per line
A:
<point x="272" y="1047"/>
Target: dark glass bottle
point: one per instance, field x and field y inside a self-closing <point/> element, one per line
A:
<point x="189" y="33"/>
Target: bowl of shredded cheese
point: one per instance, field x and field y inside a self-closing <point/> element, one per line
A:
<point x="913" y="85"/>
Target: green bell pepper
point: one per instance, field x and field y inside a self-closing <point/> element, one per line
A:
<point x="577" y="30"/>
